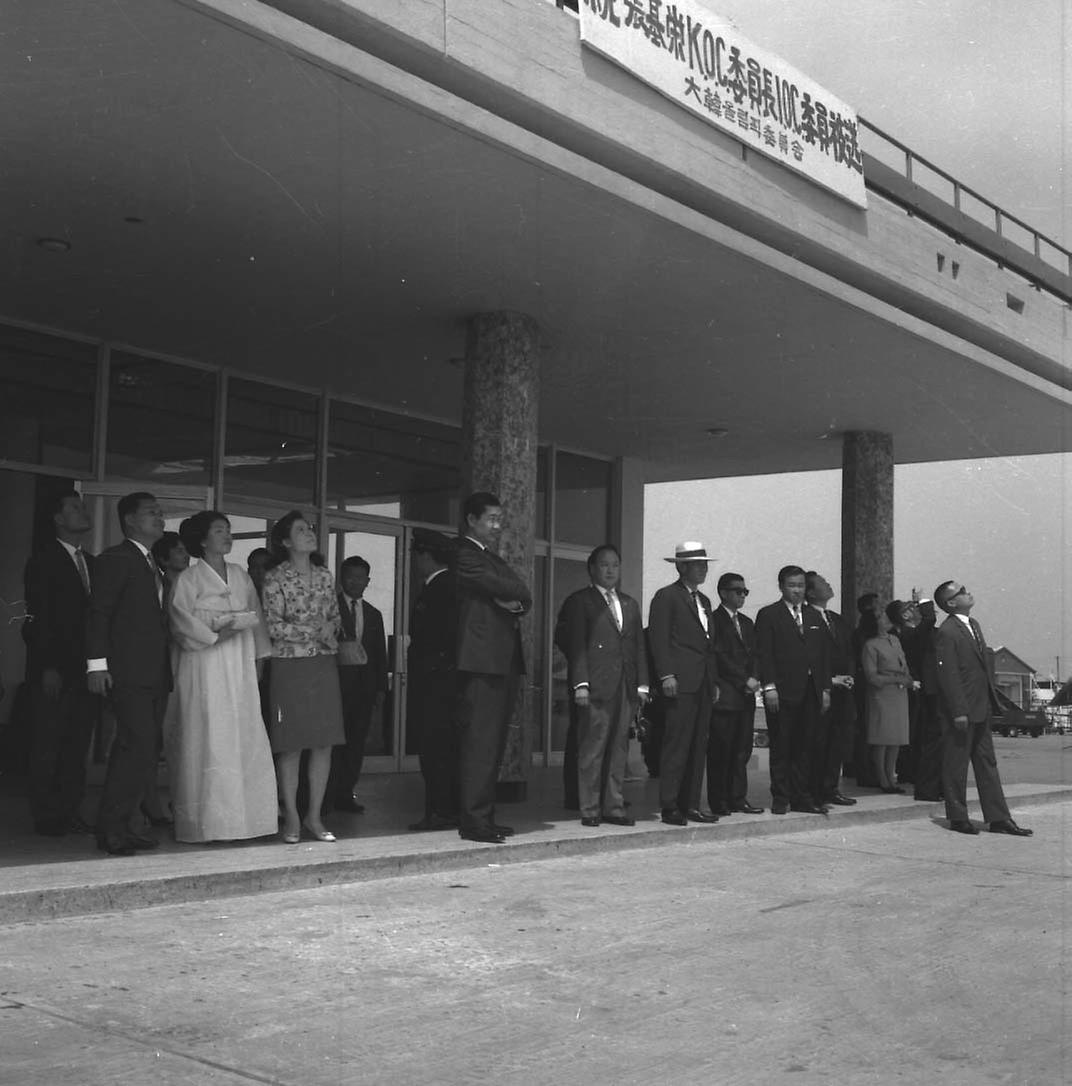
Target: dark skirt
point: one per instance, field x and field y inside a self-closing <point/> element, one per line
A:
<point x="306" y="708"/>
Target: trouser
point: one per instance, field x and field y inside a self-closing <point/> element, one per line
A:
<point x="928" y="780"/>
<point x="434" y="695"/>
<point x="684" y="750"/>
<point x="62" y="729"/>
<point x="139" y="718"/>
<point x="570" y="799"/>
<point x="357" y="685"/>
<point x="976" y="745"/>
<point x="908" y="755"/>
<point x="833" y="744"/>
<point x="485" y="704"/>
<point x="729" y="746"/>
<point x="791" y="732"/>
<point x="602" y="749"/>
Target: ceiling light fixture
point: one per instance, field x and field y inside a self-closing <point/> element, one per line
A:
<point x="54" y="245"/>
<point x="718" y="431"/>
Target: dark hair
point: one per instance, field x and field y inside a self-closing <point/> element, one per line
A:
<point x="477" y="503"/>
<point x="257" y="552"/>
<point x="281" y="533"/>
<point x="594" y="556"/>
<point x="438" y="546"/>
<point x="727" y="579"/>
<point x="55" y="503"/>
<point x="866" y="603"/>
<point x="940" y="596"/>
<point x="193" y="530"/>
<point x="788" y="571"/>
<point x="868" y="626"/>
<point x="894" y="610"/>
<point x="128" y="504"/>
<point x="355" y="561"/>
<point x="162" y="548"/>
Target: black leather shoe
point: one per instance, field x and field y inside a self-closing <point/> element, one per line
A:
<point x="1008" y="826"/>
<point x="351" y="806"/>
<point x="893" y="790"/>
<point x="927" y="799"/>
<point x="699" y="816"/>
<point x="747" y="808"/>
<point x="674" y="818"/>
<point x="779" y="808"/>
<point x="115" y="846"/>
<point x="484" y="836"/>
<point x="838" y="800"/>
<point x="960" y="825"/>
<point x="591" y="822"/>
<point x="723" y="810"/>
<point x="142" y="844"/>
<point x="619" y="820"/>
<point x="810" y="808"/>
<point x="503" y="831"/>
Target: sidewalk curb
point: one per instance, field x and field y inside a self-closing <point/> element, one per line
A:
<point x="33" y="906"/>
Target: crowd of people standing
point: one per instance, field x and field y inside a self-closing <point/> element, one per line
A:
<point x="259" y="686"/>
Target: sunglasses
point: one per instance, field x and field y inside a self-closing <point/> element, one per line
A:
<point x="740" y="590"/>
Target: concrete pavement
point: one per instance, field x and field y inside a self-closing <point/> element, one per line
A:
<point x="867" y="953"/>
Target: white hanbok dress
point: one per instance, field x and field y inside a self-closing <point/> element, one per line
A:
<point x="223" y="784"/>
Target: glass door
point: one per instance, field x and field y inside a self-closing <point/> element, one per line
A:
<point x="382" y="547"/>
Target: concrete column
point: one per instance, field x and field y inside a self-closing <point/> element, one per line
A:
<point x="499" y="418"/>
<point x="866" y="517"/>
<point x="627" y="521"/>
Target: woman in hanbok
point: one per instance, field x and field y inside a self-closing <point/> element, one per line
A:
<point x="222" y="774"/>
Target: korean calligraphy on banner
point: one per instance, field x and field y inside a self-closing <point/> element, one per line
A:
<point x="697" y="59"/>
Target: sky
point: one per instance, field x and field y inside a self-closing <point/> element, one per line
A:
<point x="981" y="89"/>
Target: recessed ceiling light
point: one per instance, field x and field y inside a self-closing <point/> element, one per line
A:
<point x="718" y="431"/>
<point x="133" y="220"/>
<point x="54" y="245"/>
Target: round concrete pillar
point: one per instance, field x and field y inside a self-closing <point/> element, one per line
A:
<point x="866" y="517"/>
<point x="499" y="420"/>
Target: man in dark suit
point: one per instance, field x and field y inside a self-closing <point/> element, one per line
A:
<point x="127" y="651"/>
<point x="432" y="680"/>
<point x="794" y="667"/>
<point x="602" y="637"/>
<point x="733" y="717"/>
<point x="967" y="697"/>
<point x="491" y="600"/>
<point x="835" y="731"/>
<point x="683" y="648"/>
<point x="58" y="579"/>
<point x="362" y="661"/>
<point x="923" y="663"/>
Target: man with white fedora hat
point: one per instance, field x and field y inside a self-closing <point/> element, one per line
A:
<point x="683" y="648"/>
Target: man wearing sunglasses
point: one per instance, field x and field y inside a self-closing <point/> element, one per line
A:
<point x="966" y="698"/>
<point x="733" y="717"/>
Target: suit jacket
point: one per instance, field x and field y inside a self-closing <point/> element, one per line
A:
<point x="596" y="652"/>
<point x="792" y="660"/>
<point x="679" y="645"/>
<point x="918" y="645"/>
<point x="125" y="621"/>
<point x="843" y="661"/>
<point x="737" y="662"/>
<point x="489" y="637"/>
<point x="373" y="639"/>
<point x="965" y="685"/>
<point x="56" y="605"/>
<point x="434" y="627"/>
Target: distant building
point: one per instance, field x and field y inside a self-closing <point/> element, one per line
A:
<point x="1013" y="677"/>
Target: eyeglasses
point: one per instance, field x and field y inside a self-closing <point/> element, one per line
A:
<point x="739" y="589"/>
<point x="956" y="590"/>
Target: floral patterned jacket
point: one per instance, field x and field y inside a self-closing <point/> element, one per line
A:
<point x="298" y="615"/>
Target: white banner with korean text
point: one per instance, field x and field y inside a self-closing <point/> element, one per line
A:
<point x="700" y="61"/>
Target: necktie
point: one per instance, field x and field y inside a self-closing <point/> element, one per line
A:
<point x="699" y="610"/>
<point x="826" y="618"/>
<point x="83" y="571"/>
<point x="798" y="618"/>
<point x="612" y="604"/>
<point x="976" y="634"/>
<point x="737" y="626"/>
<point x="157" y="578"/>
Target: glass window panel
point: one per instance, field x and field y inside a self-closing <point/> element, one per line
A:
<point x="569" y="576"/>
<point x="48" y="390"/>
<point x="270" y="446"/>
<point x="582" y="499"/>
<point x="390" y="465"/>
<point x="160" y="421"/>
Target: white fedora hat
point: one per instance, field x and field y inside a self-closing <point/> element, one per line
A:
<point x="690" y="551"/>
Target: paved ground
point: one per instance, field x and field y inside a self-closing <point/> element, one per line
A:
<point x="871" y="953"/>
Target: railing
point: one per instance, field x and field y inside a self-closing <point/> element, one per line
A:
<point x="1044" y="263"/>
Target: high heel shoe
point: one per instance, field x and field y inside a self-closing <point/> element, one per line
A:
<point x="319" y="835"/>
<point x="290" y="837"/>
